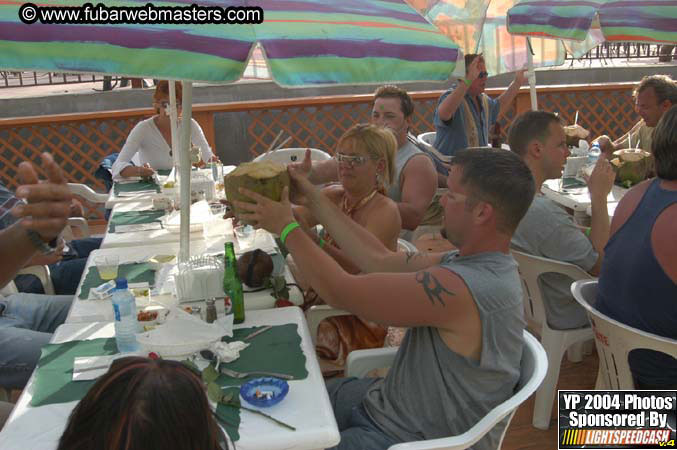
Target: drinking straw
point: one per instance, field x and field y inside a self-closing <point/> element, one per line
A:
<point x="272" y="144"/>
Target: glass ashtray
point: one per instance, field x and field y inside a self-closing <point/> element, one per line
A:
<point x="264" y="392"/>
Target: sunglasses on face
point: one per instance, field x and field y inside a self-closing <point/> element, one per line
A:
<point x="352" y="161"/>
<point x="166" y="104"/>
<point x="483" y="74"/>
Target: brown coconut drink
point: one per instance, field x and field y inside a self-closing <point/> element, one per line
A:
<point x="267" y="178"/>
<point x="575" y="133"/>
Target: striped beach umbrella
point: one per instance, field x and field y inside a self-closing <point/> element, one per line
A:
<point x="306" y="42"/>
<point x="479" y="26"/>
<point x="653" y="21"/>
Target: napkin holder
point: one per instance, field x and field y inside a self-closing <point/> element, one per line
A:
<point x="199" y="184"/>
<point x="199" y="278"/>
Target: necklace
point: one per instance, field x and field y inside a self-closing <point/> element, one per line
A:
<point x="349" y="211"/>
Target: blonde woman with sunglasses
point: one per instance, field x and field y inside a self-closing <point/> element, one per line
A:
<point x="365" y="156"/>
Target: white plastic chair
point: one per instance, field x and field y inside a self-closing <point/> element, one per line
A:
<point x="533" y="369"/>
<point x="91" y="196"/>
<point x="42" y="272"/>
<point x="318" y="313"/>
<point x="615" y="340"/>
<point x="290" y="155"/>
<point x="427" y="139"/>
<point x="555" y="342"/>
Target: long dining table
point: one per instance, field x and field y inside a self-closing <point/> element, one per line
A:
<point x="306" y="407"/>
<point x="577" y="197"/>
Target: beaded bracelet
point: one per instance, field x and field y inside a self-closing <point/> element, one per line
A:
<point x="291" y="226"/>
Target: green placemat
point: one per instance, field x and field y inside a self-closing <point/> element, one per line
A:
<point x="133" y="272"/>
<point x="54" y="375"/>
<point x="134" y="217"/>
<point x="276" y="350"/>
<point x="572" y="183"/>
<point x="133" y="187"/>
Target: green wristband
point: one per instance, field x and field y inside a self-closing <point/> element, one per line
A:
<point x="321" y="243"/>
<point x="291" y="226"/>
<point x="466" y="81"/>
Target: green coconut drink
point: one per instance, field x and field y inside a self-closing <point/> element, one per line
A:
<point x="267" y="178"/>
<point x="633" y="166"/>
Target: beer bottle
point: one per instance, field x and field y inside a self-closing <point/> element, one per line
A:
<point x="232" y="285"/>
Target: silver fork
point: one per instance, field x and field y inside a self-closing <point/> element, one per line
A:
<point x="236" y="374"/>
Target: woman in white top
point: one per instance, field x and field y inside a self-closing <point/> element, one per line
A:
<point x="151" y="139"/>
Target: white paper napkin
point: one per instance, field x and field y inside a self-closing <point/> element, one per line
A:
<point x="262" y="240"/>
<point x="184" y="334"/>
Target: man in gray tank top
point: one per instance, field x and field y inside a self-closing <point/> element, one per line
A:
<point x="461" y="356"/>
<point x="415" y="180"/>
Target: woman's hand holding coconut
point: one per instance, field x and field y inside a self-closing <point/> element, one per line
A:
<point x="274" y="216"/>
<point x="265" y="213"/>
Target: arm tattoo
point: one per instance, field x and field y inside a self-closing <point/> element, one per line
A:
<point x="432" y="287"/>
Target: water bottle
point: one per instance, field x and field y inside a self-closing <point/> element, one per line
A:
<point x="126" y="325"/>
<point x="593" y="155"/>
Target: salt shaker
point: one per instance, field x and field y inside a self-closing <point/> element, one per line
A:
<point x="210" y="311"/>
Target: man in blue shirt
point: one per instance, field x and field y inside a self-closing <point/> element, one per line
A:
<point x="465" y="113"/>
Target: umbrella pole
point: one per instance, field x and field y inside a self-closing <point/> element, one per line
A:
<point x="532" y="76"/>
<point x="184" y="167"/>
<point x="173" y="116"/>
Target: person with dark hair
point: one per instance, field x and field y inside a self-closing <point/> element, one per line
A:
<point x="461" y="354"/>
<point x="549" y="231"/>
<point x="27" y="321"/>
<point x="653" y="96"/>
<point x="151" y="139"/>
<point x="465" y="114"/>
<point x="415" y="180"/>
<point x="638" y="281"/>
<point x="144" y="404"/>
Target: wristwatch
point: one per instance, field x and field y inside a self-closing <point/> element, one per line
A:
<point x="43" y="247"/>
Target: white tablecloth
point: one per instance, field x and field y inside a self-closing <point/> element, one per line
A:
<point x="132" y="238"/>
<point x="578" y="199"/>
<point x="306" y="407"/>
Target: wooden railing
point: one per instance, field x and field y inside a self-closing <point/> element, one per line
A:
<point x="80" y="141"/>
